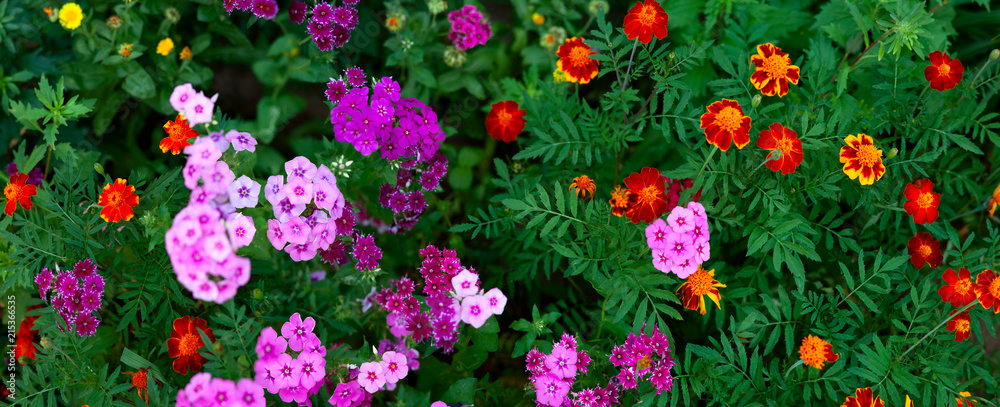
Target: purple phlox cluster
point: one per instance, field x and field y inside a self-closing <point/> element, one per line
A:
<point x="292" y="364"/>
<point x="328" y="26"/>
<point x="205" y="235"/>
<point x="468" y="28"/>
<point x="195" y="106"/>
<point x="205" y="390"/>
<point x="406" y="198"/>
<point x="265" y="9"/>
<point x="35" y="176"/>
<point x="680" y="244"/>
<point x="373" y="376"/>
<point x="553" y="375"/>
<point x="641" y="356"/>
<point x="366" y="253"/>
<point x="78" y="295"/>
<point x="337" y="254"/>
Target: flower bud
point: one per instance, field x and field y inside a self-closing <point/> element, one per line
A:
<point x="437" y="6"/>
<point x="454" y="57"/>
<point x="114" y="23"/>
<point x="217" y="347"/>
<point x="755" y="101"/>
<point x="892" y="153"/>
<point x="172" y="15"/>
<point x="99" y="168"/>
<point x="994" y="54"/>
<point x="395" y="21"/>
<point x="258" y="294"/>
<point x="46" y="342"/>
<point x="538" y="19"/>
<point x="598" y="5"/>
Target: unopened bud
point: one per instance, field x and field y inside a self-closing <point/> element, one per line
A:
<point x="596" y="6"/>
<point x="755" y="101"/>
<point x="538" y="19"/>
<point x="114" y="23"/>
<point x="258" y="294"/>
<point x="454" y="57"/>
<point x="994" y="54"/>
<point x="99" y="168"/>
<point x="46" y="342"/>
<point x="172" y="15"/>
<point x="892" y="153"/>
<point x="671" y="55"/>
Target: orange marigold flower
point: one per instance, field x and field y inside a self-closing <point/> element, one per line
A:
<point x="959" y="290"/>
<point x="994" y="200"/>
<point x="178" y="134"/>
<point x="647" y="198"/>
<point x="816" y="351"/>
<point x="505" y="121"/>
<point x="619" y="201"/>
<point x="862" y="159"/>
<point x="988" y="290"/>
<point x="583" y="185"/>
<point x="645" y="20"/>
<point x="943" y="73"/>
<point x="18" y="191"/>
<point x="185" y="53"/>
<point x="922" y="203"/>
<point x="922" y="248"/>
<point x="863" y="398"/>
<point x="574" y="59"/>
<point x="773" y="70"/>
<point x="789" y="147"/>
<point x="725" y="123"/>
<point x="697" y="285"/>
<point x="140" y="382"/>
<point x="963" y="395"/>
<point x="185" y="341"/>
<point x="961" y="325"/>
<point x="118" y="199"/>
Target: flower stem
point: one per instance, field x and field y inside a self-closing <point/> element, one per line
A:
<point x="629" y="70"/>
<point x="716" y="148"/>
<point x="950" y="317"/>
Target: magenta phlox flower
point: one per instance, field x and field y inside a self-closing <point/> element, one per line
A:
<point x="551" y="390"/>
<point x="296" y="329"/>
<point x="203" y="153"/>
<point x="270" y="345"/>
<point x="562" y="362"/>
<point x="299" y="191"/>
<point x="371" y="376"/>
<point x="681" y="219"/>
<point x="656" y="234"/>
<point x="347" y="394"/>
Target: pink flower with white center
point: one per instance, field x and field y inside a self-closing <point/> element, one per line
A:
<point x="274" y="191"/>
<point x="324" y="194"/>
<point x="249" y="393"/>
<point x="241" y="141"/>
<point x="656" y="234"/>
<point x="679" y="247"/>
<point x="199" y="109"/>
<point x="685" y="268"/>
<point x="371" y="377"/>
<point x="296" y="230"/>
<point x="205" y="290"/>
<point x="270" y="346"/>
<point x="203" y="153"/>
<point x="227" y="290"/>
<point x="475" y="310"/>
<point x="325" y="234"/>
<point x="218" y="247"/>
<point x="324" y="174"/>
<point x="198" y="388"/>
<point x="496" y="300"/>
<point x="699" y="231"/>
<point x="549" y="390"/>
<point x="562" y="362"/>
<point x="346" y="394"/>
<point x="300" y="167"/>
<point x="217" y="177"/>
<point x="302" y="251"/>
<point x="681" y="220"/>
<point x="244" y="192"/>
<point x="223" y="392"/>
<point x="698" y="210"/>
<point x="264" y="377"/>
<point x="395" y="366"/>
<point x="298" y="191"/>
<point x="275" y="234"/>
<point x="241" y="230"/>
<point x="188" y="232"/>
<point x="286" y="371"/>
<point x="296" y="329"/>
<point x="286" y="210"/>
<point x="192" y="174"/>
<point x="702" y="250"/>
<point x="465" y="283"/>
<point x="181" y="97"/>
<point x="313" y="369"/>
<point x="662" y="261"/>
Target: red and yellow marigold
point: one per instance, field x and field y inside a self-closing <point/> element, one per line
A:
<point x="725" y="124"/>
<point x="699" y="284"/>
<point x="118" y="199"/>
<point x="575" y="61"/>
<point x="783" y="143"/>
<point x="959" y="290"/>
<point x="773" y="70"/>
<point x="862" y="159"/>
<point x="988" y="290"/>
<point x="815" y="351"/>
<point x="185" y="341"/>
<point x="645" y="20"/>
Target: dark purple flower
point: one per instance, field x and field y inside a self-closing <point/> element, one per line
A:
<point x="86" y="324"/>
<point x="265" y="9"/>
<point x="297" y="12"/>
<point x="84" y="268"/>
<point x="335" y="90"/>
<point x="322" y="12"/>
<point x="417" y="202"/>
<point x="340" y="36"/>
<point x="346" y="17"/>
<point x="323" y="43"/>
<point x="366" y="253"/>
<point x="397" y="202"/>
<point x="351" y="2"/>
<point x="318" y="28"/>
<point x="355" y="77"/>
<point x="11" y="168"/>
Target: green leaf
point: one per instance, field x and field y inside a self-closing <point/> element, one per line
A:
<point x="140" y="84"/>
<point x="461" y="392"/>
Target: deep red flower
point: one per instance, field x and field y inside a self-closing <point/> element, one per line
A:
<point x="725" y="123"/>
<point x="959" y="291"/>
<point x="185" y="341"/>
<point x="943" y="73"/>
<point x="922" y="248"/>
<point x="961" y="325"/>
<point x="575" y="60"/>
<point x="787" y="142"/>
<point x="645" y="20"/>
<point x="647" y="199"/>
<point x="863" y="398"/>
<point x="922" y="203"/>
<point x="17" y="192"/>
<point x="988" y="290"/>
<point x="505" y="121"/>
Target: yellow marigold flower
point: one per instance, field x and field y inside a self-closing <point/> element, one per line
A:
<point x="619" y="201"/>
<point x="125" y="49"/>
<point x="862" y="159"/>
<point x="538" y="19"/>
<point x="816" y="351"/>
<point x="70" y="15"/>
<point x="186" y="53"/>
<point x="583" y="185"/>
<point x="697" y="285"/>
<point x="165" y="46"/>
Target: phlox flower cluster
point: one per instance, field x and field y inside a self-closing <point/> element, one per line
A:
<point x="78" y="295"/>
<point x="265" y="9"/>
<point x="643" y="355"/>
<point x="553" y="375"/>
<point x="396" y="362"/>
<point x="205" y="390"/>
<point x="468" y="28"/>
<point x="205" y="235"/>
<point x="406" y="198"/>
<point x="293" y="365"/>
<point x="680" y="244"/>
<point x="195" y="106"/>
<point x="674" y="189"/>
<point x="329" y="26"/>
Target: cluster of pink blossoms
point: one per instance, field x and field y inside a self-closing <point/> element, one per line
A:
<point x="468" y="28"/>
<point x="77" y="296"/>
<point x="643" y="355"/>
<point x="553" y="376"/>
<point x="292" y="377"/>
<point x="680" y="244"/>
<point x="195" y="106"/>
<point x="329" y="26"/>
<point x="265" y="9"/>
<point x="204" y="390"/>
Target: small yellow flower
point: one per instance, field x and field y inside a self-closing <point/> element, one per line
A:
<point x="125" y="50"/>
<point x="538" y="19"/>
<point x="165" y="46"/>
<point x="186" y="53"/>
<point x="70" y="15"/>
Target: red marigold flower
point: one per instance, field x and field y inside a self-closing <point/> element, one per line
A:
<point x="773" y="70"/>
<point x="961" y="325"/>
<point x="619" y="201"/>
<point x="994" y="200"/>
<point x="922" y="248"/>
<point x="863" y="398"/>
<point x="647" y="198"/>
<point x="505" y="121"/>
<point x="963" y="395"/>
<point x="959" y="291"/>
<point x="922" y="203"/>
<point x="698" y="285"/>
<point x="816" y="351"/>
<point x="583" y="185"/>
<point x="943" y="73"/>
<point x="574" y="59"/>
<point x="787" y="142"/>
<point x="18" y="191"/>
<point x="725" y="123"/>
<point x="118" y="199"/>
<point x="988" y="290"/>
<point x="645" y="20"/>
<point x="140" y="382"/>
<point x="178" y="134"/>
<point x="185" y="341"/>
<point x="862" y="159"/>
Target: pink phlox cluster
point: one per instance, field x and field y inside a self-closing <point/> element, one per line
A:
<point x="644" y="356"/>
<point x="195" y="106"/>
<point x="77" y="297"/>
<point x="204" y="390"/>
<point x="468" y="28"/>
<point x="553" y="375"/>
<point x="406" y="198"/>
<point x="293" y="364"/>
<point x="681" y="243"/>
<point x="266" y="9"/>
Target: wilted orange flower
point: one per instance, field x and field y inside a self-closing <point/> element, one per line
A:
<point x="619" y="201"/>
<point x="863" y="398"/>
<point x="988" y="290"/>
<point x="645" y="20"/>
<point x="139" y="382"/>
<point x="959" y="290"/>
<point x="789" y="147"/>
<point x="185" y="53"/>
<point x="647" y="198"/>
<point x="943" y="73"/>
<point x="862" y="159"/>
<point x="125" y="49"/>
<point x="922" y="248"/>
<point x="18" y="191"/>
<point x="725" y="123"/>
<point x="773" y="70"/>
<point x="816" y="351"/>
<point x="961" y="325"/>
<point x="583" y="185"/>
<point x="921" y="202"/>
<point x="118" y="199"/>
<point x="185" y="341"/>
<point x="505" y="121"/>
<point x="994" y="200"/>
<point x="178" y="134"/>
<point x="574" y="59"/>
<point x="697" y="285"/>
